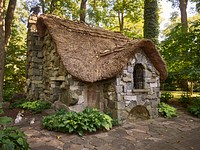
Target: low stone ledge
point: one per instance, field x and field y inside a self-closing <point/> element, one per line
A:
<point x="141" y="90"/>
<point x="60" y="78"/>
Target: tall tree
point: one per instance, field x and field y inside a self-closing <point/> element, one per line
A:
<point x="184" y="21"/>
<point x="181" y="52"/>
<point x="182" y="4"/>
<point x="5" y="32"/>
<point x="83" y="10"/>
<point x="15" y="64"/>
<point x="2" y="47"/>
<point x="151" y="20"/>
<point x="117" y="15"/>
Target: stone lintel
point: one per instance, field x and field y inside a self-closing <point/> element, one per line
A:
<point x="140" y="90"/>
<point x="60" y="78"/>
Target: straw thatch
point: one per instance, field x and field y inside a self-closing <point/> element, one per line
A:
<point x="93" y="54"/>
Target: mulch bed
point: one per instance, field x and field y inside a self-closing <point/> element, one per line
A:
<point x="13" y="112"/>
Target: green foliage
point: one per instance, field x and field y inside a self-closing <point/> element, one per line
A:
<point x="36" y="106"/>
<point x="185" y="98"/>
<point x="13" y="139"/>
<point x="195" y="107"/>
<point x="71" y="122"/>
<point x="166" y="110"/>
<point x="67" y="9"/>
<point x="181" y="51"/>
<point x="115" y="122"/>
<point x="15" y="66"/>
<point x="170" y="83"/>
<point x="8" y="92"/>
<point x="165" y="97"/>
<point x="117" y="15"/>
<point x="4" y="120"/>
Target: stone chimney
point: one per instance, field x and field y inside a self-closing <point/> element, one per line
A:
<point x="34" y="60"/>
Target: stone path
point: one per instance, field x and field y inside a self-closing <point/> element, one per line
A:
<point x="181" y="133"/>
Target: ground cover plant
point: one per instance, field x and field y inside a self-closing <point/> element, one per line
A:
<point x="89" y="120"/>
<point x="185" y="98"/>
<point x="35" y="106"/>
<point x="165" y="97"/>
<point x="166" y="110"/>
<point x="11" y="138"/>
<point x="194" y="108"/>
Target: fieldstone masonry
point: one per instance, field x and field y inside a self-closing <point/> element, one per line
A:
<point x="129" y="98"/>
<point x="48" y="79"/>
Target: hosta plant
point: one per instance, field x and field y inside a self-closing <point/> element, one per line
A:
<point x="90" y="120"/>
<point x="166" y="110"/>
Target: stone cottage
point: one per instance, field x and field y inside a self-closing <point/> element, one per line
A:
<point x="74" y="65"/>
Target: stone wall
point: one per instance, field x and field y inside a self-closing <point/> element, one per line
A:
<point x="46" y="77"/>
<point x="128" y="97"/>
<point x="34" y="60"/>
<point x="59" y="87"/>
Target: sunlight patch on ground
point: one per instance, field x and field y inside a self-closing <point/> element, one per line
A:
<point x="177" y="94"/>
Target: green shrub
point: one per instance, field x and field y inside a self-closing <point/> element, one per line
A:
<point x="165" y="97"/>
<point x="166" y="110"/>
<point x="195" y="107"/>
<point x="18" y="103"/>
<point x="71" y="122"/>
<point x="11" y="138"/>
<point x="4" y="120"/>
<point x="115" y="122"/>
<point x="36" y="106"/>
<point x="185" y="98"/>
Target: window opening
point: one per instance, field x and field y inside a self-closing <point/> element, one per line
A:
<point x="138" y="75"/>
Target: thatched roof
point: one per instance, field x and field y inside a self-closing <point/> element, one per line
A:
<point x="93" y="54"/>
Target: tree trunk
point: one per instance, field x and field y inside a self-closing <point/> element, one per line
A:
<point x="5" y="32"/>
<point x="183" y="7"/>
<point x="52" y="6"/>
<point x="83" y="10"/>
<point x="8" y="20"/>
<point x="191" y="88"/>
<point x="42" y="2"/>
<point x="121" y="16"/>
<point x="151" y="20"/>
<point x="2" y="47"/>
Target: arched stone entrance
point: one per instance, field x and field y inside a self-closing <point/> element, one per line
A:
<point x="138" y="112"/>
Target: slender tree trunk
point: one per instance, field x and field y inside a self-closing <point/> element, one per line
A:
<point x="151" y="20"/>
<point x="83" y="10"/>
<point x="121" y="17"/>
<point x="2" y="47"/>
<point x="191" y="88"/>
<point x="9" y="19"/>
<point x="52" y="6"/>
<point x="42" y="2"/>
<point x="183" y="7"/>
<point x="5" y="32"/>
<point x="119" y="20"/>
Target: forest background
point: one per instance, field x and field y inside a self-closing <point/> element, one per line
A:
<point x="180" y="44"/>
